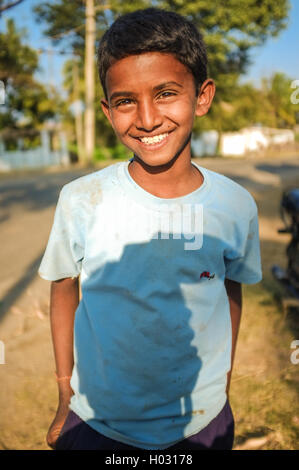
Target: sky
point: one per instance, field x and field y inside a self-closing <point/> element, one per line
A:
<point x="277" y="54"/>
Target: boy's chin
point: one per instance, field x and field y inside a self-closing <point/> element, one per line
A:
<point x="154" y="161"/>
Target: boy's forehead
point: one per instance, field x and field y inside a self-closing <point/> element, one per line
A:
<point x="149" y="69"/>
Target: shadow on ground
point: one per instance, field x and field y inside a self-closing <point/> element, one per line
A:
<point x="277" y="169"/>
<point x="261" y="431"/>
<point x="16" y="290"/>
<point x="34" y="192"/>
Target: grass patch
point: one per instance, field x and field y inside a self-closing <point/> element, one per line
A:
<point x="264" y="387"/>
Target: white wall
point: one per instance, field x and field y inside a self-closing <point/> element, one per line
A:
<point x="253" y="139"/>
<point x="35" y="158"/>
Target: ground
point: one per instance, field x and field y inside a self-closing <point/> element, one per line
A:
<point x="264" y="388"/>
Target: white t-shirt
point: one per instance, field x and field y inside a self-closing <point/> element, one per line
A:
<point x="152" y="332"/>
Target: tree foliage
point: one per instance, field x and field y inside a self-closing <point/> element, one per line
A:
<point x="26" y="100"/>
<point x="18" y="61"/>
<point x="278" y="91"/>
<point x="105" y="136"/>
<point x="269" y="105"/>
<point x="230" y="27"/>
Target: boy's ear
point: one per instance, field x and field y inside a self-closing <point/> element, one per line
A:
<point x="205" y="97"/>
<point x="106" y="109"/>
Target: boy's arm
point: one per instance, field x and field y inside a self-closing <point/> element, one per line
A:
<point x="234" y="293"/>
<point x="64" y="302"/>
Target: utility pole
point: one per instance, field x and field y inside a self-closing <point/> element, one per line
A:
<point x="50" y="71"/>
<point x="89" y="117"/>
<point x="78" y="111"/>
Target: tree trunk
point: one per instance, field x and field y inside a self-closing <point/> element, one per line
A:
<point x="78" y="113"/>
<point x="89" y="123"/>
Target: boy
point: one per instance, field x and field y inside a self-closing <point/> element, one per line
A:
<point x="161" y="246"/>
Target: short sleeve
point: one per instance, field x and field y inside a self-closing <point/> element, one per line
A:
<point x="65" y="249"/>
<point x="243" y="263"/>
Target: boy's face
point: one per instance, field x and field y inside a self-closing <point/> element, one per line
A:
<point x="152" y="105"/>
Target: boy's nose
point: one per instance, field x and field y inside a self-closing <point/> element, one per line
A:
<point x="148" y="116"/>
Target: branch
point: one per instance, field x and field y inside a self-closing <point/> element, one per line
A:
<point x="9" y="5"/>
<point x="64" y="33"/>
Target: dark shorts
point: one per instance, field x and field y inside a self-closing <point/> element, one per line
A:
<point x="217" y="435"/>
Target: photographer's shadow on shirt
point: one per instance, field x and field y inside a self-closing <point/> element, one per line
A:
<point x="152" y="340"/>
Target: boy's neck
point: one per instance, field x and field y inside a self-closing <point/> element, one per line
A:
<point x="177" y="180"/>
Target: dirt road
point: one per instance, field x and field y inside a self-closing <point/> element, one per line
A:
<point x="28" y="394"/>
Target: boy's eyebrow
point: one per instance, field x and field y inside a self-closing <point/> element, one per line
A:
<point x="130" y="93"/>
<point x="120" y="93"/>
<point x="164" y="85"/>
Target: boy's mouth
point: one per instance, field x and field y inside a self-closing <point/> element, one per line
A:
<point x="153" y="140"/>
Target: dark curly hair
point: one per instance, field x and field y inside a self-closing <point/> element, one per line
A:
<point x="153" y="30"/>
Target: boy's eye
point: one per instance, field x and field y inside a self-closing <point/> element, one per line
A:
<point x="165" y="94"/>
<point x="127" y="101"/>
<point x="122" y="102"/>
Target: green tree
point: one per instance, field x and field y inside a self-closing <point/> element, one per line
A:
<point x="18" y="62"/>
<point x="246" y="106"/>
<point x="270" y="105"/>
<point x="278" y="91"/>
<point x="106" y="136"/>
<point x="25" y="98"/>
<point x="230" y="29"/>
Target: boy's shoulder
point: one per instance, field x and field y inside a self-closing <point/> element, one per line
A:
<point x="90" y="187"/>
<point x="229" y="193"/>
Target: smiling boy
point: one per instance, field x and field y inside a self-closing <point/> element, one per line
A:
<point x="150" y="346"/>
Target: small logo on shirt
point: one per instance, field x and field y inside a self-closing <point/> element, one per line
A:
<point x="207" y="275"/>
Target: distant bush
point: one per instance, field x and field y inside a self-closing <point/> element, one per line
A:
<point x="73" y="152"/>
<point x="119" y="152"/>
<point x="101" y="153"/>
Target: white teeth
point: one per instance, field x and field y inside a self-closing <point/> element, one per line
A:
<point x="153" y="140"/>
